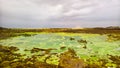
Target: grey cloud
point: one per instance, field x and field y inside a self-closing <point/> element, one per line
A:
<point x="52" y="13"/>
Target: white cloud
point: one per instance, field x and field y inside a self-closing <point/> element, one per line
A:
<point x="79" y="12"/>
<point x="47" y="11"/>
<point x="26" y="8"/>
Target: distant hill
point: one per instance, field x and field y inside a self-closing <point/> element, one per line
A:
<point x="110" y="27"/>
<point x="2" y="28"/>
<point x="113" y="27"/>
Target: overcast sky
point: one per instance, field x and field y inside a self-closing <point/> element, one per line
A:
<point x="59" y="13"/>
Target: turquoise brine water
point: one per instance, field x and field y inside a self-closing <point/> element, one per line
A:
<point x="96" y="44"/>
